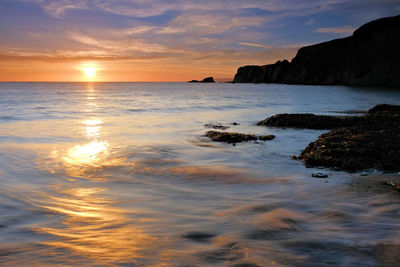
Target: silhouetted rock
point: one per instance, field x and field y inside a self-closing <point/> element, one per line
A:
<point x="208" y="80"/>
<point x="309" y="121"/>
<point x="369" y="57"/>
<point x="205" y="80"/>
<point x="384" y="108"/>
<point x="233" y="138"/>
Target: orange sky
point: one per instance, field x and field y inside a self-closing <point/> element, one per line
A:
<point x="157" y="40"/>
<point x="123" y="71"/>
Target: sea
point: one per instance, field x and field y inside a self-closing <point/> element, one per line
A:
<point x="121" y="174"/>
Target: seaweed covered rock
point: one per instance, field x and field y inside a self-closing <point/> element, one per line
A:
<point x="232" y="138"/>
<point x="356" y="148"/>
<point x="384" y="108"/>
<point x="309" y="121"/>
<point x="372" y="142"/>
<point x="228" y="137"/>
<point x="355" y="143"/>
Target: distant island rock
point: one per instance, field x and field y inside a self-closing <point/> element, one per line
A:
<point x="205" y="80"/>
<point x="371" y="56"/>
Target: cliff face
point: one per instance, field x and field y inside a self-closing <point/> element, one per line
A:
<point x="371" y="56"/>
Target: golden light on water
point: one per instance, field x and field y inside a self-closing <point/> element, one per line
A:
<point x="94" y="227"/>
<point x="88" y="153"/>
<point x="93" y="121"/>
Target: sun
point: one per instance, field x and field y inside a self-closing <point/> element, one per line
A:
<point x="90" y="72"/>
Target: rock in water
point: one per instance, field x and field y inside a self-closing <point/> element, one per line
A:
<point x="231" y="138"/>
<point x="309" y="121"/>
<point x="355" y="143"/>
<point x="266" y="137"/>
<point x="205" y="80"/>
<point x="371" y="56"/>
<point x="384" y="108"/>
<point x="208" y="80"/>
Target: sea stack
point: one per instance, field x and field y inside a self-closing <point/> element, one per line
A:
<point x="205" y="80"/>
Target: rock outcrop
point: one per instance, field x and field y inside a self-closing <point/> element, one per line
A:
<point x="233" y="138"/>
<point x="371" y="56"/>
<point x="205" y="80"/>
<point x="309" y="121"/>
<point x="355" y="143"/>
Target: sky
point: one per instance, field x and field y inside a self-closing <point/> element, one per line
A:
<point x="175" y="40"/>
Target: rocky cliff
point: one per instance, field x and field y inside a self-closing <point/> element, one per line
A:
<point x="371" y="56"/>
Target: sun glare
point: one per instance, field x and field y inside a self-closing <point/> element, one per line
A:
<point x="90" y="72"/>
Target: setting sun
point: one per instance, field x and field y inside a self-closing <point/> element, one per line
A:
<point x="90" y="72"/>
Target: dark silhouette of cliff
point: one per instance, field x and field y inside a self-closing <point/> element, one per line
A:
<point x="371" y="56"/>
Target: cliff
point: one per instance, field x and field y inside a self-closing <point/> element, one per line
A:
<point x="371" y="56"/>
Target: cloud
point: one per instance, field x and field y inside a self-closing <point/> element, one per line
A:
<point x="148" y="8"/>
<point x="310" y="22"/>
<point x="256" y="45"/>
<point x="58" y="8"/>
<point x="119" y="45"/>
<point x="343" y="30"/>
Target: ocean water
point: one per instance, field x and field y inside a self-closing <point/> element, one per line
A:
<point x="120" y="174"/>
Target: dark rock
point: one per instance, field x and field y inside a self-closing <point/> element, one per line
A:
<point x="355" y="143"/>
<point x="199" y="236"/>
<point x="205" y="80"/>
<point x="208" y="80"/>
<point x="231" y="138"/>
<point x="384" y="108"/>
<point x="319" y="175"/>
<point x="216" y="126"/>
<point x="235" y="123"/>
<point x="369" y="57"/>
<point x="356" y="148"/>
<point x="249" y="74"/>
<point x="266" y="137"/>
<point x="309" y="121"/>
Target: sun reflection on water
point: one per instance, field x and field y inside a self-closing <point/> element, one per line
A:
<point x="89" y="153"/>
<point x="92" y="225"/>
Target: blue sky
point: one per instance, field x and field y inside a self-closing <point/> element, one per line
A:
<point x="207" y="37"/>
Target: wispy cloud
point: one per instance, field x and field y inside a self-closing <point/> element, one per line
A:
<point x="256" y="45"/>
<point x="343" y="30"/>
<point x="310" y="22"/>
